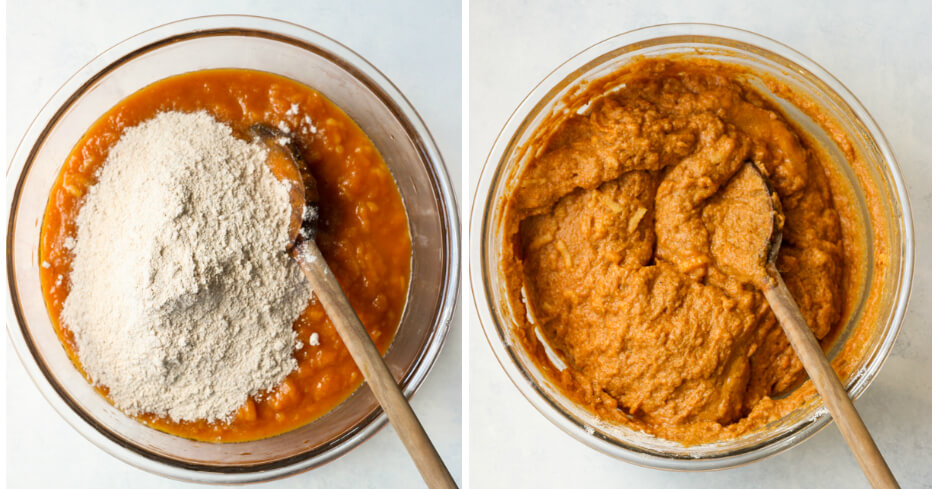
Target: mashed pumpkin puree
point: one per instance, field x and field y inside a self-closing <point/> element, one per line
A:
<point x="617" y="251"/>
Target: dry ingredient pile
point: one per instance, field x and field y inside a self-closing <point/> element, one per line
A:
<point x="182" y="296"/>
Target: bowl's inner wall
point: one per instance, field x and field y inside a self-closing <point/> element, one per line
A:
<point x="392" y="135"/>
<point x="762" y="61"/>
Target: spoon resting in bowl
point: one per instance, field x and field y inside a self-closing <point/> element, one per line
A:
<point x="285" y="161"/>
<point x="748" y="247"/>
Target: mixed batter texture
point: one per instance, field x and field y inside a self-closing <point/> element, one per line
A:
<point x="622" y="247"/>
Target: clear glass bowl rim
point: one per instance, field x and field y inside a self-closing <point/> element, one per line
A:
<point x="361" y="69"/>
<point x="482" y="206"/>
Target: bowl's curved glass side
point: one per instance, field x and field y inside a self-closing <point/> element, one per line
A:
<point x="349" y="81"/>
<point x="486" y="238"/>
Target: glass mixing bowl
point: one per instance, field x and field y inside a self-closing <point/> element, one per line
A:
<point x="364" y="94"/>
<point x="891" y="277"/>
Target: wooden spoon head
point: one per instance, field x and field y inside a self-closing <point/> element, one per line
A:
<point x="772" y="246"/>
<point x="747" y="240"/>
<point x="286" y="163"/>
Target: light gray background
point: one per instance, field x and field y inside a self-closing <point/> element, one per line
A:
<point x="416" y="44"/>
<point x="881" y="51"/>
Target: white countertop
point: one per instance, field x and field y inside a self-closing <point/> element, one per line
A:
<point x="881" y="51"/>
<point x="416" y="44"/>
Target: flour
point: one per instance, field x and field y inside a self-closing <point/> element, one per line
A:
<point x="182" y="296"/>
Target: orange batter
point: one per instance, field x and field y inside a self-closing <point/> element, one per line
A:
<point x="620" y="249"/>
<point x="363" y="232"/>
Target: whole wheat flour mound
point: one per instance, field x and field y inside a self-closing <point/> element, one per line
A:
<point x="182" y="295"/>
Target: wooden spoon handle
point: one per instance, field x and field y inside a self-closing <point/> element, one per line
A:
<point x="372" y="366"/>
<point x="829" y="386"/>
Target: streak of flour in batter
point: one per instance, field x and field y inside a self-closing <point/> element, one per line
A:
<point x="182" y="296"/>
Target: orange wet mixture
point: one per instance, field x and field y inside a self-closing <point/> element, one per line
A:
<point x="623" y="237"/>
<point x="363" y="232"/>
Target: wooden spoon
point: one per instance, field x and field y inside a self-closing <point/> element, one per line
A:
<point x="767" y="231"/>
<point x="285" y="162"/>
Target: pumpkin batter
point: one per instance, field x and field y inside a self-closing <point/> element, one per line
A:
<point x="623" y="238"/>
